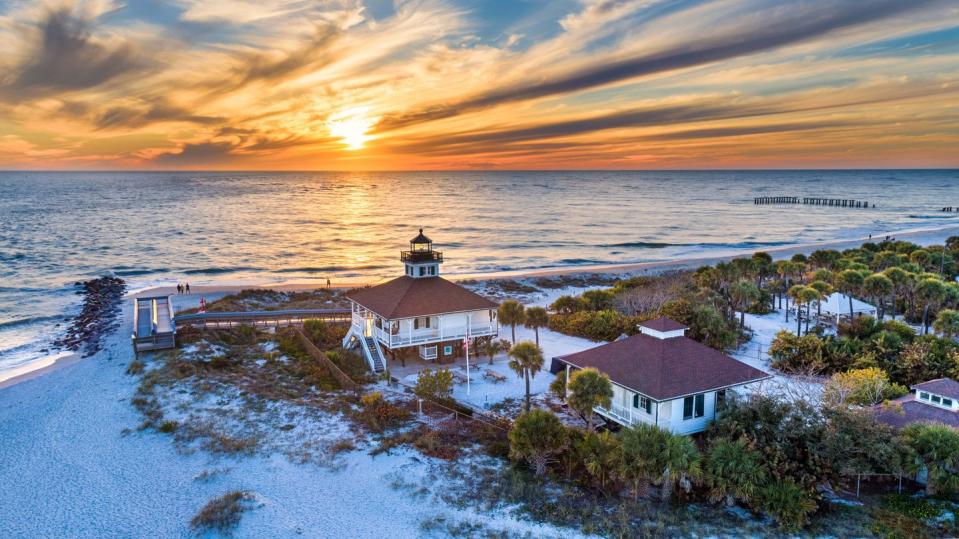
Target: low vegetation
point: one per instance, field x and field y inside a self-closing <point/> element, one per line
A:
<point x="698" y="299"/>
<point x="767" y="454"/>
<point x="223" y="513"/>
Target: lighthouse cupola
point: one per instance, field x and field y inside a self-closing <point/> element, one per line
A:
<point x="421" y="260"/>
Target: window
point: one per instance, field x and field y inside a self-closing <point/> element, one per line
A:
<point x="720" y="400"/>
<point x="447" y="350"/>
<point x="422" y="271"/>
<point x="947" y="402"/>
<point x="923" y="395"/>
<point x="432" y="270"/>
<point x="426" y="321"/>
<point x="416" y="323"/>
<point x="642" y="403"/>
<point x="936" y="399"/>
<point x="694" y="406"/>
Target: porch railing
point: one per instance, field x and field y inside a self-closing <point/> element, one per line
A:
<point x="424" y="336"/>
<point x="624" y="414"/>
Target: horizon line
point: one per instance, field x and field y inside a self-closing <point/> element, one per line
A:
<point x="313" y="171"/>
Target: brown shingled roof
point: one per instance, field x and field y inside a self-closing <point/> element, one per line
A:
<point x="406" y="297"/>
<point x="907" y="410"/>
<point x="665" y="368"/>
<point x="663" y="324"/>
<point x="947" y="387"/>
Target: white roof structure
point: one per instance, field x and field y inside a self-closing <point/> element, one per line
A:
<point x="838" y="304"/>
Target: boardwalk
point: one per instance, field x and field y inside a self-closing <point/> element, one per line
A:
<point x="262" y="318"/>
<point x="153" y="326"/>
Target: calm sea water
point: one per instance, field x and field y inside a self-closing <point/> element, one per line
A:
<point x="149" y="228"/>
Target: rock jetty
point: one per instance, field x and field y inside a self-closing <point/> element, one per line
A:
<point x="101" y="305"/>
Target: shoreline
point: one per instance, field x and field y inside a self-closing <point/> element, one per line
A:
<point x="919" y="236"/>
<point x="38" y="368"/>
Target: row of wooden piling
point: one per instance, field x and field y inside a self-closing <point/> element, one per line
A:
<point x="951" y="209"/>
<point x="837" y="202"/>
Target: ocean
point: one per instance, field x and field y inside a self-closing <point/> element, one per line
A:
<point x="166" y="227"/>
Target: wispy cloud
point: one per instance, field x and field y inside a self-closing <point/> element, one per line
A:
<point x="62" y="54"/>
<point x="608" y="83"/>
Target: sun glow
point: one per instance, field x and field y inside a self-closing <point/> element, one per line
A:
<point x="351" y="125"/>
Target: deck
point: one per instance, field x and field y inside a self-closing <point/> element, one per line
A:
<point x="153" y="325"/>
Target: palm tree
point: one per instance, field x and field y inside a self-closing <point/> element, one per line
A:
<point x="762" y="267"/>
<point x="899" y="278"/>
<point x="878" y="287"/>
<point x="933" y="448"/>
<point x="782" y="269"/>
<point x="536" y="317"/>
<point x="589" y="388"/>
<point x="849" y="282"/>
<point x="491" y="347"/>
<point x="511" y="313"/>
<point x="808" y="295"/>
<point x="744" y="294"/>
<point x="734" y="472"/>
<point x="931" y="292"/>
<point x="527" y="360"/>
<point x="643" y="447"/>
<point x="682" y="464"/>
<point x="793" y="293"/>
<point x="824" y="289"/>
<point x="539" y="438"/>
<point x="600" y="455"/>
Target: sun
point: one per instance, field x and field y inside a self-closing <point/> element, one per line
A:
<point x="351" y="126"/>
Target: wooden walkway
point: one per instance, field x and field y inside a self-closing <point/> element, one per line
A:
<point x="262" y="318"/>
<point x="153" y="326"/>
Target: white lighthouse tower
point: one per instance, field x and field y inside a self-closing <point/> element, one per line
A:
<point x="421" y="260"/>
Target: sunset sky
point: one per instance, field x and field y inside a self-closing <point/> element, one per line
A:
<point x="475" y="84"/>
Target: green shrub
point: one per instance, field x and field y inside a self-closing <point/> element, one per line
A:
<point x="538" y="437"/>
<point x="789" y="504"/>
<point x="435" y="385"/>
<point x="790" y="353"/>
<point x="593" y="325"/>
<point x="167" y="426"/>
<point x="568" y="305"/>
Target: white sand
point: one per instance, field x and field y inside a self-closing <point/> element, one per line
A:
<point x="67" y="470"/>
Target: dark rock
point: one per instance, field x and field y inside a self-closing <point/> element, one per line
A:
<point x="101" y="305"/>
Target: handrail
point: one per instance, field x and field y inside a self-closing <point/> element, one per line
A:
<point x="294" y="313"/>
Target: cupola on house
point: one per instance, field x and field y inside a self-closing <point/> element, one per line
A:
<point x="663" y="378"/>
<point x="419" y="312"/>
<point x="933" y="401"/>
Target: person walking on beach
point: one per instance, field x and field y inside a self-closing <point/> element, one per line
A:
<point x="327" y="282"/>
<point x="179" y="288"/>
<point x="188" y="288"/>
